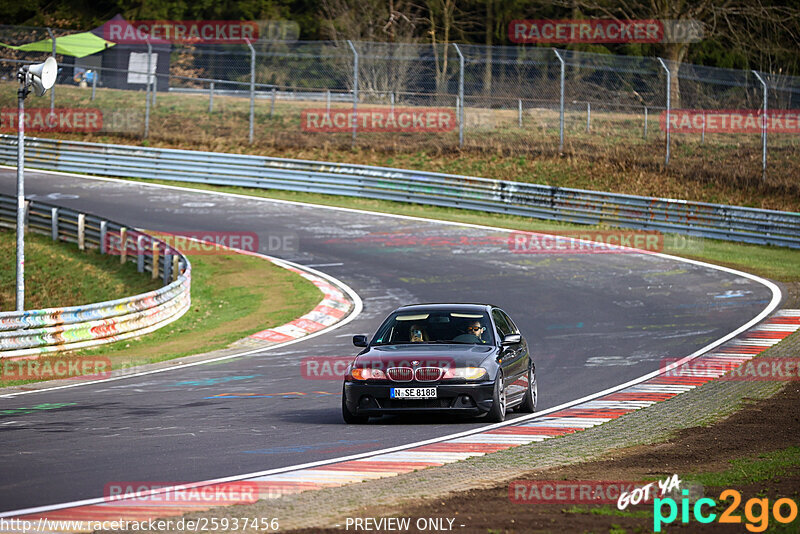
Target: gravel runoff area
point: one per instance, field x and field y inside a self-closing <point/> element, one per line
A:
<point x="695" y="426"/>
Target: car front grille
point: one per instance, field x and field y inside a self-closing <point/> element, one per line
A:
<point x="400" y="374"/>
<point x="428" y="374"/>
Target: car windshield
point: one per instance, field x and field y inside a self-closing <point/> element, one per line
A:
<point x="440" y="326"/>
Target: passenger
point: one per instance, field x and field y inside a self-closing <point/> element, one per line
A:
<point x="417" y="334"/>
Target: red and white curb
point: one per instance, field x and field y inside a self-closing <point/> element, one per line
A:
<point x="574" y="418"/>
<point x="333" y="307"/>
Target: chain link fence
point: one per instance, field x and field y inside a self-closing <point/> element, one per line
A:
<point x="506" y="100"/>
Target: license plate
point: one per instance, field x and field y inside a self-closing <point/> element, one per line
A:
<point x="413" y="393"/>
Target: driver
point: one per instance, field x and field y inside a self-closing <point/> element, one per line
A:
<point x="474" y="333"/>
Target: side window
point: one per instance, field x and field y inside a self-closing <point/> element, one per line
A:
<point x="514" y="329"/>
<point x="502" y="323"/>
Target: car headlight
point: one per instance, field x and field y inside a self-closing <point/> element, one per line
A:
<point x="365" y="373"/>
<point x="467" y="373"/>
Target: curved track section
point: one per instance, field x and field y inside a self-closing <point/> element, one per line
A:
<point x="597" y="321"/>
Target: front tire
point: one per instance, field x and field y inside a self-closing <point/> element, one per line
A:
<point x="528" y="404"/>
<point x="497" y="414"/>
<point x="349" y="417"/>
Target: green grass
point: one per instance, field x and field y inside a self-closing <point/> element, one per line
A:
<point x="57" y="274"/>
<point x="233" y="296"/>
<point x="778" y="263"/>
<point x="761" y="468"/>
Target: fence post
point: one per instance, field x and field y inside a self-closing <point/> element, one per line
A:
<point x="703" y="132"/>
<point x="272" y="104"/>
<point x="519" y="112"/>
<point x="252" y="86"/>
<point x="588" y="116"/>
<point x="52" y="89"/>
<point x="669" y="91"/>
<point x="94" y="83"/>
<point x="355" y="89"/>
<point x="54" y="224"/>
<point x="460" y="96"/>
<point x="763" y="128"/>
<point x="147" y="92"/>
<point x="391" y="99"/>
<point x="645" y="122"/>
<point x="211" y="97"/>
<point x="327" y="102"/>
<point x="561" y="105"/>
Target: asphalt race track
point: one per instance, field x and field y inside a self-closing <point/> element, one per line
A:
<point x="595" y="320"/>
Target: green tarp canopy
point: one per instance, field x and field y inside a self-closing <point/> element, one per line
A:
<point x="76" y="44"/>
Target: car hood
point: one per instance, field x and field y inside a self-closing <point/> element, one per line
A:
<point x="433" y="355"/>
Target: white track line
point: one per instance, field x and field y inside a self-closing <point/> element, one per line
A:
<point x="774" y="302"/>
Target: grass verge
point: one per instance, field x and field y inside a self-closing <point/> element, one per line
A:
<point x="233" y="296"/>
<point x="60" y="275"/>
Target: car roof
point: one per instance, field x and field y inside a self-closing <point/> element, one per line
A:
<point x="441" y="306"/>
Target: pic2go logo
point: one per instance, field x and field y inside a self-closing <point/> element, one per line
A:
<point x="757" y="521"/>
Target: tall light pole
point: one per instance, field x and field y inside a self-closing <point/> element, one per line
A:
<point x="41" y="77"/>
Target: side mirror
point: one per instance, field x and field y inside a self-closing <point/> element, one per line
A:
<point x="360" y="340"/>
<point x="511" y="339"/>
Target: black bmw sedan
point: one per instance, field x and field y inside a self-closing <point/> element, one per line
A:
<point x="454" y="358"/>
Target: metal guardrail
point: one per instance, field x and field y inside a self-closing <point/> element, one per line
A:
<point x="58" y="329"/>
<point x="717" y="221"/>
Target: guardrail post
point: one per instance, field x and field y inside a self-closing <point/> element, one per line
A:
<point x="561" y="104"/>
<point x="669" y="91"/>
<point x="252" y="86"/>
<point x="763" y="128"/>
<point x="460" y="96"/>
<point x="176" y="267"/>
<point x="211" y="97"/>
<point x="355" y="89"/>
<point x="167" y="267"/>
<point x="147" y="91"/>
<point x="103" y="237"/>
<point x="123" y="245"/>
<point x="154" y="271"/>
<point x="54" y="224"/>
<point x="81" y="231"/>
<point x="140" y="253"/>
